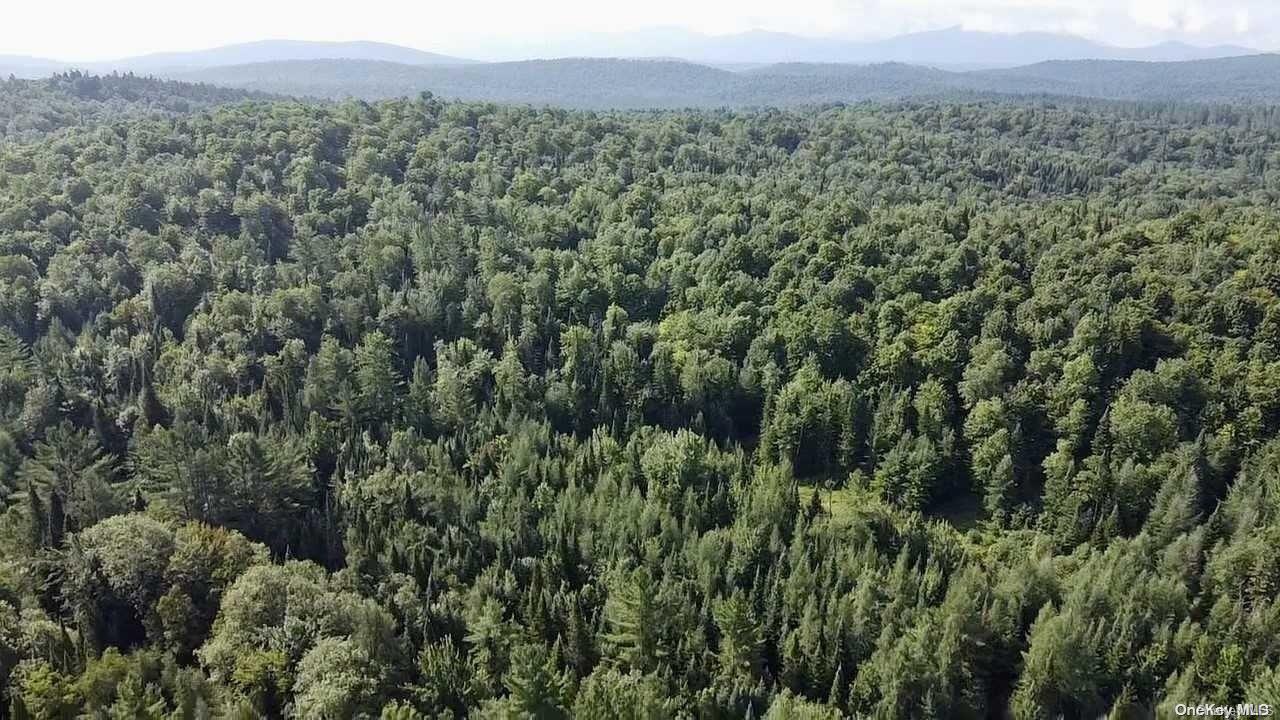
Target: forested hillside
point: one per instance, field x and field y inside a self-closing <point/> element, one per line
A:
<point x="644" y="84"/>
<point x="953" y="48"/>
<point x="34" y="108"/>
<point x="579" y="83"/>
<point x="420" y="409"/>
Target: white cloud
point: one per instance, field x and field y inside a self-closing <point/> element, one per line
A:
<point x="1153" y="13"/>
<point x="1242" y="24"/>
<point x="100" y="29"/>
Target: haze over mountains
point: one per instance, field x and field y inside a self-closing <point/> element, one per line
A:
<point x="599" y="83"/>
<point x="952" y="47"/>
<point x="23" y="66"/>
<point x="672" y="68"/>
<point x="239" y="54"/>
<point x="275" y="50"/>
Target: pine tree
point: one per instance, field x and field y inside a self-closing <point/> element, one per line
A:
<point x="636" y="619"/>
<point x="740" y="656"/>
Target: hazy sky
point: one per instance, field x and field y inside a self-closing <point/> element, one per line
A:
<point x="106" y="29"/>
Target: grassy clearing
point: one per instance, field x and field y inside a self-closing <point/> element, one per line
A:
<point x="841" y="504"/>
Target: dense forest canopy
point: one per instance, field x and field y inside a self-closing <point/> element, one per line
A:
<point x="424" y="409"/>
<point x="31" y="109"/>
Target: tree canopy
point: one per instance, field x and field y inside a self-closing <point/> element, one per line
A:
<point x="427" y="409"/>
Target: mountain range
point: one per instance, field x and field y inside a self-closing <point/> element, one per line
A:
<point x="23" y="66"/>
<point x="273" y="50"/>
<point x="952" y="48"/>
<point x="239" y="54"/>
<point x="599" y="83"/>
<point x="664" y="68"/>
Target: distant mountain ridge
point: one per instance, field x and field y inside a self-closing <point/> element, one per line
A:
<point x="956" y="46"/>
<point x="228" y="55"/>
<point x="631" y="84"/>
<point x="23" y="66"/>
<point x="582" y="82"/>
<point x="275" y="50"/>
<point x="951" y="48"/>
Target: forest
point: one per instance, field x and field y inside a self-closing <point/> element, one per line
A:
<point x="610" y="83"/>
<point x="424" y="409"/>
<point x="604" y="84"/>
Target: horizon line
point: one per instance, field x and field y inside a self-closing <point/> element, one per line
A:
<point x="515" y="41"/>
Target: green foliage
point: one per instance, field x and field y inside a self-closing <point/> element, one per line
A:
<point x="636" y="617"/>
<point x="789" y="707"/>
<point x="426" y="409"/>
<point x="536" y="687"/>
<point x="74" y="480"/>
<point x="607" y="694"/>
<point x="608" y="83"/>
<point x="116" y="573"/>
<point x="740" y="642"/>
<point x="42" y="693"/>
<point x="336" y="679"/>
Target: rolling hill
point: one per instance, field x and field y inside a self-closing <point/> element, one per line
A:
<point x="957" y="47"/>
<point x="33" y="108"/>
<point x="278" y="50"/>
<point x="584" y="83"/>
<point x="621" y="84"/>
<point x="1254" y="78"/>
<point x="949" y="48"/>
<point x="263" y="51"/>
<point x="28" y="67"/>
